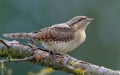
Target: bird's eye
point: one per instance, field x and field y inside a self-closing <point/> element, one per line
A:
<point x="83" y="18"/>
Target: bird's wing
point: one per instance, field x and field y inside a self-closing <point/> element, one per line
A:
<point x="55" y="33"/>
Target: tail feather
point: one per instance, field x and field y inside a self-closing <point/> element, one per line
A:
<point x="20" y="35"/>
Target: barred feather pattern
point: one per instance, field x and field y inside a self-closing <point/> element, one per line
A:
<point x="20" y="35"/>
<point x="63" y="34"/>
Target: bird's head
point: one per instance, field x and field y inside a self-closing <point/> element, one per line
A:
<point x="79" y="22"/>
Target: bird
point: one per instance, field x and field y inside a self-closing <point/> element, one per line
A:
<point x="59" y="38"/>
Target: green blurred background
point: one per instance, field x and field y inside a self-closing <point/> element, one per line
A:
<point x="102" y="46"/>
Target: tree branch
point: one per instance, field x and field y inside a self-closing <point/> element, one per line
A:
<point x="57" y="62"/>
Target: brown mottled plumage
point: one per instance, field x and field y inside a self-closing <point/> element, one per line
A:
<point x="59" y="38"/>
<point x="55" y="34"/>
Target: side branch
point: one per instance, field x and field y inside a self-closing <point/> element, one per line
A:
<point x="58" y="62"/>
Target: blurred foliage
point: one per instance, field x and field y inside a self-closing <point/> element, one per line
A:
<point x="44" y="71"/>
<point x="102" y="43"/>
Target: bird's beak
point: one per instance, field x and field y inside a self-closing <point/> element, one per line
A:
<point x="90" y="19"/>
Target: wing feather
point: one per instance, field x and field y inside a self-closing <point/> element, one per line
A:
<point x="55" y="33"/>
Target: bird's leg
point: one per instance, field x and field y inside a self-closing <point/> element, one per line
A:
<point x="53" y="52"/>
<point x="31" y="41"/>
<point x="61" y="54"/>
<point x="31" y="45"/>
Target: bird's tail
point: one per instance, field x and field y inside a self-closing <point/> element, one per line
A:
<point x="20" y="35"/>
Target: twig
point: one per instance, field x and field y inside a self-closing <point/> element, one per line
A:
<point x="17" y="60"/>
<point x="2" y="41"/>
